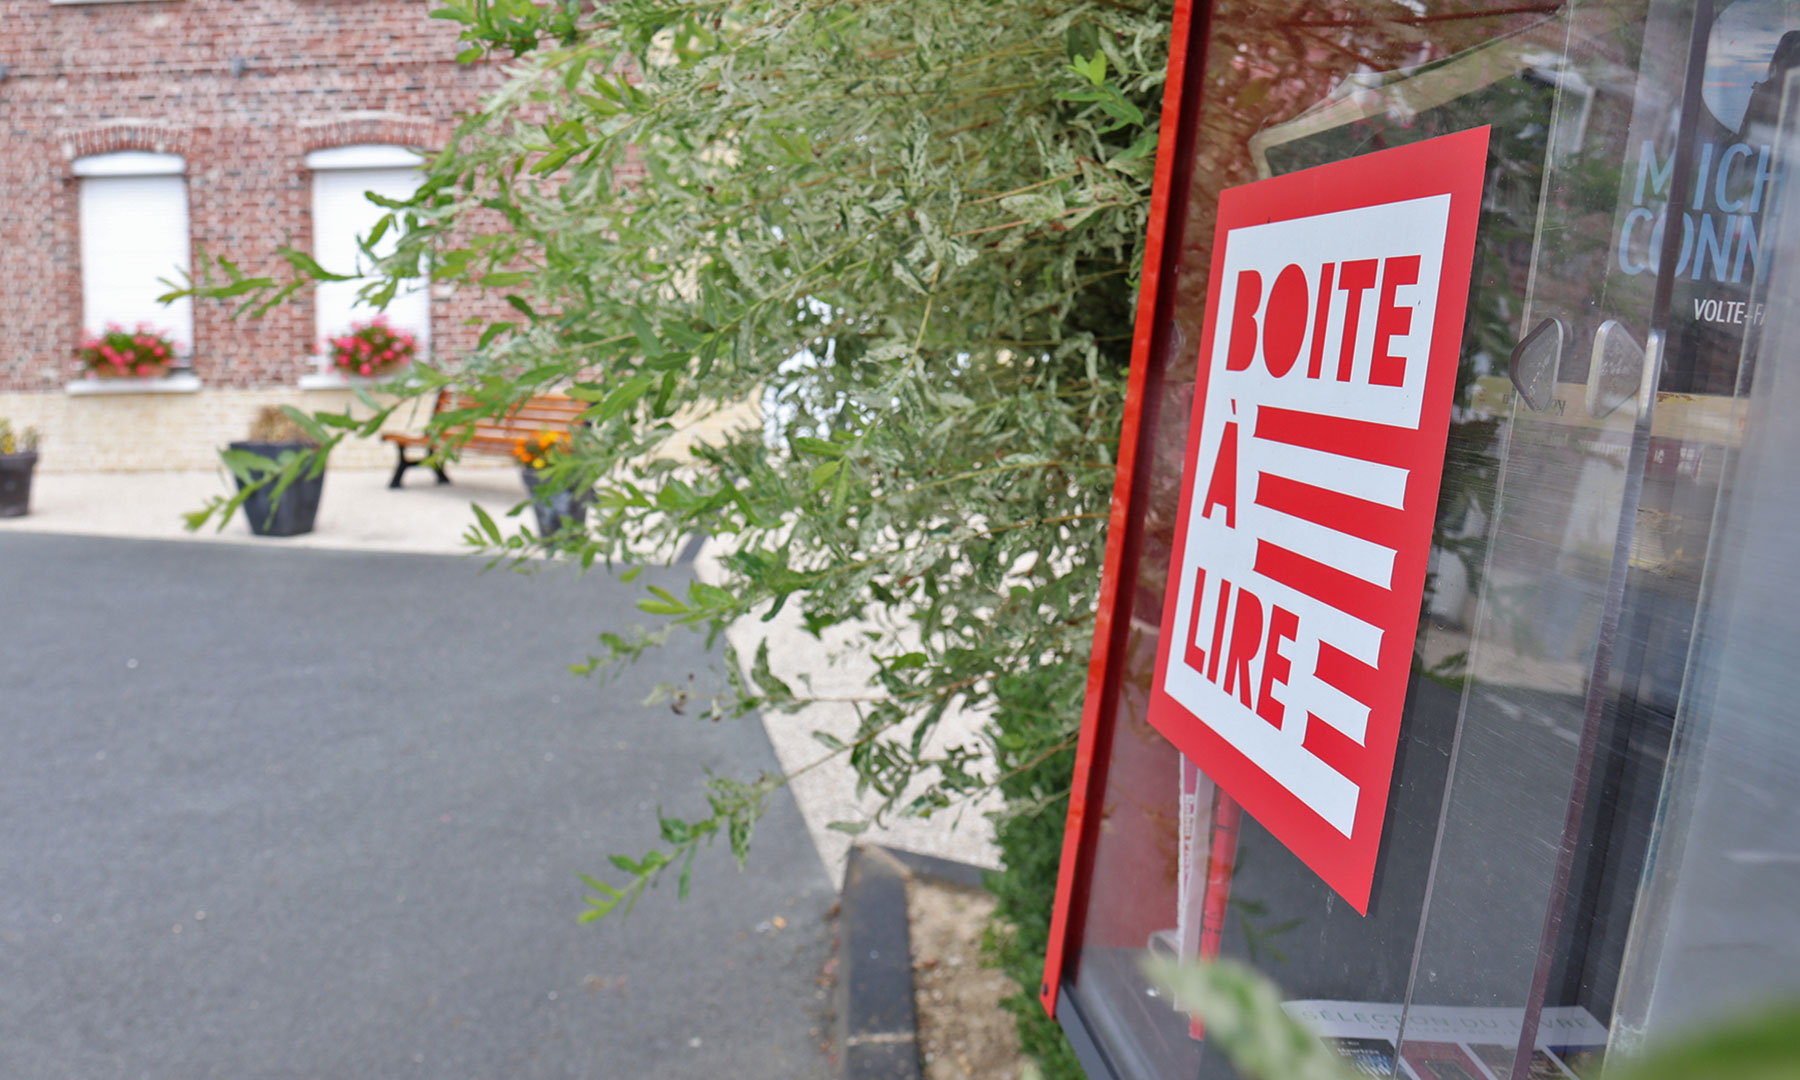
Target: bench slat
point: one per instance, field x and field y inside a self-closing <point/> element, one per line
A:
<point x="527" y="415"/>
<point x="499" y="435"/>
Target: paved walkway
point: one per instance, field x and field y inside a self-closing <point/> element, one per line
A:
<point x="358" y="512"/>
<point x="268" y="812"/>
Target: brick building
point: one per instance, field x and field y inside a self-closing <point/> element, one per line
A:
<point x="138" y="132"/>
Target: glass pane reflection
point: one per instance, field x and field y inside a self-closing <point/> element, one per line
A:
<point x="1717" y="929"/>
<point x="1539" y="744"/>
<point x="1289" y="86"/>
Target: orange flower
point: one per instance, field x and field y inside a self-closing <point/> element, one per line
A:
<point x="536" y="450"/>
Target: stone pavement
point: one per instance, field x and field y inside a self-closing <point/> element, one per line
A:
<point x="268" y="812"/>
<point x="358" y="512"/>
<point x="836" y="668"/>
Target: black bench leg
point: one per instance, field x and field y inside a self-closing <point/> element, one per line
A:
<point x="400" y="469"/>
<point x="443" y="477"/>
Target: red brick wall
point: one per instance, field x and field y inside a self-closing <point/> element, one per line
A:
<point x="158" y="75"/>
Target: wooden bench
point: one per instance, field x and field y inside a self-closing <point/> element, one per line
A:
<point x="487" y="434"/>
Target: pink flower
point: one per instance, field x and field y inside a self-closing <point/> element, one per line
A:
<point x="161" y="352"/>
<point x="143" y="369"/>
<point x="117" y="360"/>
<point x="364" y="369"/>
<point x="387" y="354"/>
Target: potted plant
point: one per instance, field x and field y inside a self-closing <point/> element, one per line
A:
<point x="554" y="509"/>
<point x="274" y="435"/>
<point x="119" y="353"/>
<point x="18" y="457"/>
<point x="372" y="349"/>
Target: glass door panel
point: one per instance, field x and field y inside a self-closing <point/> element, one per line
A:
<point x="1543" y="663"/>
<point x="1716" y="929"/>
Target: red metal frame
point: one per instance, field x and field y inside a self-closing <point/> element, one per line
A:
<point x="1112" y="619"/>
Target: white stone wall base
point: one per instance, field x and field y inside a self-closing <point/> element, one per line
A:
<point x="129" y="431"/>
<point x="126" y="431"/>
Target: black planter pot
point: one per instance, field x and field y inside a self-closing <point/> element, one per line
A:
<point x="554" y="509"/>
<point x="15" y="483"/>
<point x="299" y="503"/>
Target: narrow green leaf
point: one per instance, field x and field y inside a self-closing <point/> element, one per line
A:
<point x="309" y="266"/>
<point x="622" y="397"/>
<point x="820" y="447"/>
<point x="599" y="886"/>
<point x="492" y="331"/>
<point x="487" y="523"/>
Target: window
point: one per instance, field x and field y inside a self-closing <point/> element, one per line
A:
<point x="341" y="179"/>
<point x="134" y="237"/>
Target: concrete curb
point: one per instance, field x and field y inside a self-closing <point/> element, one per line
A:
<point x="877" y="1026"/>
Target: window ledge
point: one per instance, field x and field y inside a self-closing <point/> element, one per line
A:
<point x="331" y="380"/>
<point x="180" y="382"/>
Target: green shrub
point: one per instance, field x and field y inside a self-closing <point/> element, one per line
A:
<point x="911" y="231"/>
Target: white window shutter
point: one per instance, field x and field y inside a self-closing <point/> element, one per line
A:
<point x="342" y="213"/>
<point x="134" y="231"/>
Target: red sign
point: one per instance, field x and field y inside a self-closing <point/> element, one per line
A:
<point x="1321" y="407"/>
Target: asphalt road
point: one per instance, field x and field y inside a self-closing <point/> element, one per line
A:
<point x="272" y="813"/>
